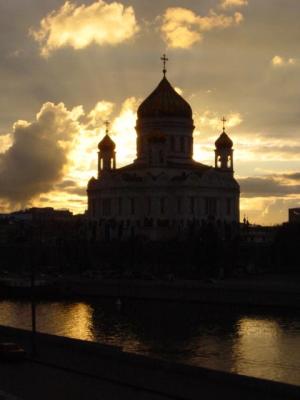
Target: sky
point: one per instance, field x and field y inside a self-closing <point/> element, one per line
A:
<point x="67" y="66"/>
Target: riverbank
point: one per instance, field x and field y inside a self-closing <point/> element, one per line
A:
<point x="274" y="292"/>
<point x="67" y="368"/>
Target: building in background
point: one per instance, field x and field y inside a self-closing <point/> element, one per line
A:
<point x="294" y="215"/>
<point x="164" y="193"/>
<point x="41" y="214"/>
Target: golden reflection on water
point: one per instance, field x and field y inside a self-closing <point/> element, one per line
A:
<point x="15" y="314"/>
<point x="73" y="320"/>
<point x="257" y="349"/>
<point x="266" y="347"/>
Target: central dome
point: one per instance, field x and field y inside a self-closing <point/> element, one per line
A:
<point x="163" y="102"/>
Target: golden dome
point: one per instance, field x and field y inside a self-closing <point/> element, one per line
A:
<point x="224" y="141"/>
<point x="107" y="144"/>
<point x="163" y="102"/>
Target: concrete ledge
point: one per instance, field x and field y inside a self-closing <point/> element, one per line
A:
<point x="7" y="396"/>
<point x="175" y="380"/>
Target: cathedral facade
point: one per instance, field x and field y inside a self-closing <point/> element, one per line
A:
<point x="164" y="193"/>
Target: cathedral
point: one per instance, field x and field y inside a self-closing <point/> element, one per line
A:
<point x="164" y="193"/>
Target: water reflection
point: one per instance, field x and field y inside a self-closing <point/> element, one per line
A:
<point x="263" y="345"/>
<point x="65" y="319"/>
<point x="74" y="320"/>
<point x="265" y="348"/>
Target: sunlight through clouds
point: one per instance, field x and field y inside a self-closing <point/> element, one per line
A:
<point x="57" y="153"/>
<point x="268" y="211"/>
<point x="5" y="142"/>
<point x="100" y="113"/>
<point x="83" y="156"/>
<point x="124" y="134"/>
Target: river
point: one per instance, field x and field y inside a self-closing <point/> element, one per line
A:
<point x="260" y="342"/>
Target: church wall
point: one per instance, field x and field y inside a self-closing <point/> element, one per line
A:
<point x="162" y="208"/>
<point x="134" y="205"/>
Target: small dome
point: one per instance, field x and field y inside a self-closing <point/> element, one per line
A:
<point x="107" y="144"/>
<point x="91" y="182"/>
<point x="224" y="141"/>
<point x="164" y="101"/>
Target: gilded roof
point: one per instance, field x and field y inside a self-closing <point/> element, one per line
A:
<point x="106" y="143"/>
<point x="224" y="141"/>
<point x="164" y="101"/>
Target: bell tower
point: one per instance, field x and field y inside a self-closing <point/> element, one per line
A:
<point x="106" y="153"/>
<point x="224" y="151"/>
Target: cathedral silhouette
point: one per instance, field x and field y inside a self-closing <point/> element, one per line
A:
<point x="164" y="193"/>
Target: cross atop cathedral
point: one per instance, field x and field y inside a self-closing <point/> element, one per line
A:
<point x="164" y="59"/>
<point x="224" y="120"/>
<point x="107" y="123"/>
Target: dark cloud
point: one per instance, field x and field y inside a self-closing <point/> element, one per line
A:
<point x="79" y="191"/>
<point x="71" y="187"/>
<point x="284" y="149"/>
<point x="266" y="187"/>
<point x="294" y="176"/>
<point x="35" y="161"/>
<point x="66" y="184"/>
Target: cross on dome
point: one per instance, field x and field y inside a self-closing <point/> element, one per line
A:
<point x="224" y="120"/>
<point x="107" y="123"/>
<point x="164" y="59"/>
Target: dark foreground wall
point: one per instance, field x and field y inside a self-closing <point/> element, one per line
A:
<point x="156" y="377"/>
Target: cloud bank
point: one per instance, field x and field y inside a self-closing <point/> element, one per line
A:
<point x="233" y="3"/>
<point x="57" y="153"/>
<point x="182" y="28"/>
<point x="278" y="61"/>
<point x="79" y="26"/>
<point x="275" y="186"/>
<point x="38" y="154"/>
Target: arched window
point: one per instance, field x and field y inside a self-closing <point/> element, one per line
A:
<point x="132" y="206"/>
<point x="192" y="205"/>
<point x="161" y="157"/>
<point x="172" y="143"/>
<point x="120" y="206"/>
<point x="149" y="205"/>
<point x="229" y="162"/>
<point x="106" y="207"/>
<point x="162" y="205"/>
<point x="179" y="205"/>
<point x="182" y="144"/>
<point x="228" y="206"/>
<point x="150" y="156"/>
<point x="219" y="162"/>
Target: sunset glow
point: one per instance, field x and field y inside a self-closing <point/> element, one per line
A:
<point x="70" y="66"/>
